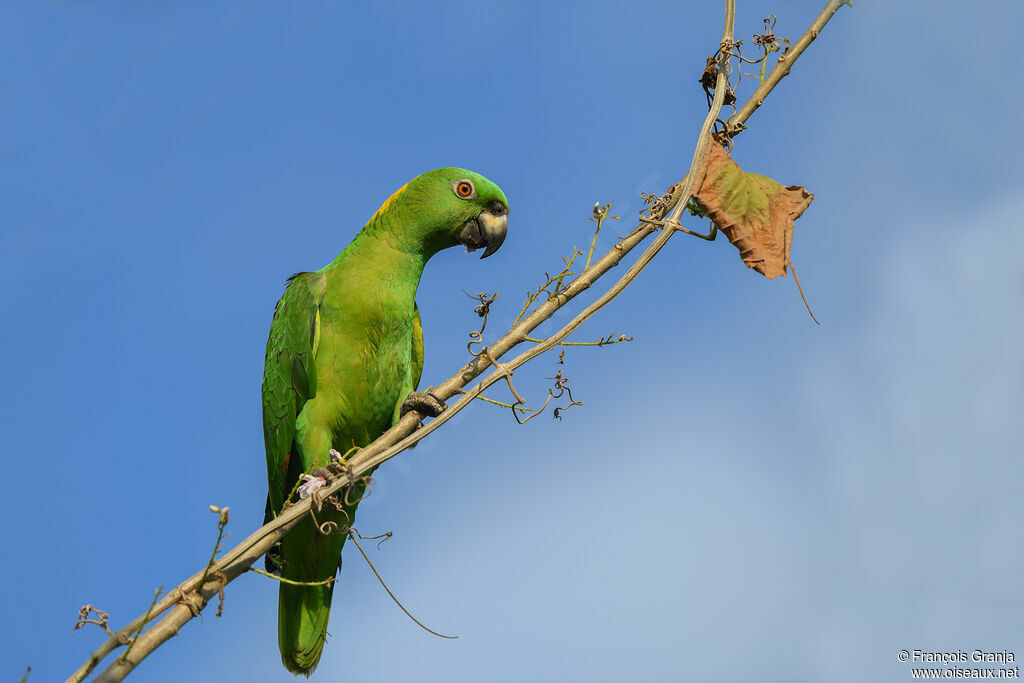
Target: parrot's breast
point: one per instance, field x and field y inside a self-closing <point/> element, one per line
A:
<point x="363" y="360"/>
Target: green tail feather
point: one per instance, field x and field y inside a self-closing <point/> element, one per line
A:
<point x="302" y="613"/>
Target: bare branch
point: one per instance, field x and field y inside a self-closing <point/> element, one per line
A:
<point x="735" y="123"/>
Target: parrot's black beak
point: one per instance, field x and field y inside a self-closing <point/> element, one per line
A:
<point x="486" y="231"/>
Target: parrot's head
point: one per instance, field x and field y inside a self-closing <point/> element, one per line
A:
<point x="451" y="206"/>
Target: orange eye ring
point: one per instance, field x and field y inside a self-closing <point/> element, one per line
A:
<point x="464" y="189"/>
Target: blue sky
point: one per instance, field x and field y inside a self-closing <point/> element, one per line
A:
<point x="743" y="497"/>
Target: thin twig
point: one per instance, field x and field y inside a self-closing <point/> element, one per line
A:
<point x="325" y="582"/>
<point x="222" y="522"/>
<point x="600" y="214"/>
<point x="601" y="342"/>
<point x="145" y="620"/>
<point x="352" y="533"/>
<point x="735" y="123"/>
<point x="557" y="280"/>
<point x="498" y="403"/>
<point x="102" y="619"/>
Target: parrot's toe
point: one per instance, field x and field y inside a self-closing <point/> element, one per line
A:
<point x="425" y="403"/>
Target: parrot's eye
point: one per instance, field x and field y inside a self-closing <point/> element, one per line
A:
<point x="464" y="189"/>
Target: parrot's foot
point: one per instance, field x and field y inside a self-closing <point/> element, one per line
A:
<point x="425" y="403"/>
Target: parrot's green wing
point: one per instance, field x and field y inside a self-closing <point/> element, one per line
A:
<point x="414" y="371"/>
<point x="417" y="349"/>
<point x="289" y="380"/>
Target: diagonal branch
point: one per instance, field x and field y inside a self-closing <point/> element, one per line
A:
<point x="184" y="603"/>
<point x="735" y="125"/>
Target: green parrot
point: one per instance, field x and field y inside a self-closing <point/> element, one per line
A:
<point x="343" y="362"/>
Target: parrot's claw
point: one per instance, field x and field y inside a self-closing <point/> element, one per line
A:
<point x="425" y="403"/>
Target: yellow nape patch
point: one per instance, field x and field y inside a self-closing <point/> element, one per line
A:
<point x="387" y="203"/>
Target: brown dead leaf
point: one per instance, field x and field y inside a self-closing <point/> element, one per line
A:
<point x="755" y="212"/>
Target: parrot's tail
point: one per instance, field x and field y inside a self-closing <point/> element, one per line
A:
<point x="302" y="613"/>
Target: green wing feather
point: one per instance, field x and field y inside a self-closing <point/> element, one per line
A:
<point x="289" y="380"/>
<point x="417" y="349"/>
<point x="414" y="371"/>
